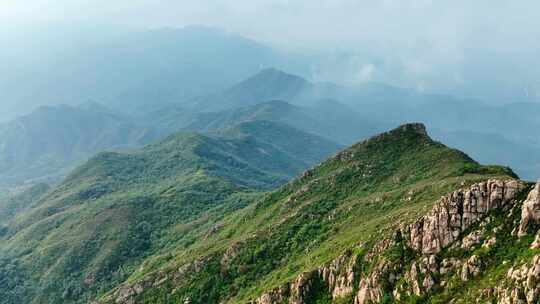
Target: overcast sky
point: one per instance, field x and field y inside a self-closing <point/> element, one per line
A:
<point x="468" y="47"/>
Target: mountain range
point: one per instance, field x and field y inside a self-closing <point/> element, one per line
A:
<point x="197" y="166"/>
<point x="126" y="69"/>
<point x="216" y="218"/>
<point x="345" y="205"/>
<point x="46" y="144"/>
<point x="81" y="238"/>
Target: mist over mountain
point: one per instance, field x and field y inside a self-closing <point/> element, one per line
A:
<point x="348" y="114"/>
<point x="45" y="144"/>
<point x="67" y="135"/>
<point x="269" y="152"/>
<point x="126" y="69"/>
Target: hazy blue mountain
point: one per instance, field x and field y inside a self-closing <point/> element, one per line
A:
<point x="492" y="148"/>
<point x="126" y="69"/>
<point x="269" y="84"/>
<point x="50" y="140"/>
<point x="340" y="114"/>
<point x="327" y="118"/>
<point x="274" y="84"/>
<point x="347" y="114"/>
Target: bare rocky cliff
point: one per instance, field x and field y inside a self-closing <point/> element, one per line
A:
<point x="461" y="221"/>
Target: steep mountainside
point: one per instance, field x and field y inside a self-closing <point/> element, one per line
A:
<point x="269" y="252"/>
<point x="92" y="231"/>
<point x="49" y="141"/>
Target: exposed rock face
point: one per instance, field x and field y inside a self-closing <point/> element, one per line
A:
<point x="522" y="284"/>
<point x="338" y="278"/>
<point x="371" y="287"/>
<point x="457" y="212"/>
<point x="369" y="290"/>
<point x="339" y="275"/>
<point x="471" y="268"/>
<point x="536" y="243"/>
<point x="442" y="227"/>
<point x="278" y="295"/>
<point x="472" y="239"/>
<point x="415" y="127"/>
<point x="302" y="287"/>
<point x="489" y="242"/>
<point x="530" y="212"/>
<point x="127" y="294"/>
<point x="425" y="268"/>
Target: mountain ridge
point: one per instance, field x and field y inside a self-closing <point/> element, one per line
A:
<point x="355" y="196"/>
<point x="50" y="140"/>
<point x="90" y="232"/>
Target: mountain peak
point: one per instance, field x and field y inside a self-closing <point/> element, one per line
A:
<point x="408" y="130"/>
<point x="268" y="84"/>
<point x="415" y="127"/>
<point x="275" y="75"/>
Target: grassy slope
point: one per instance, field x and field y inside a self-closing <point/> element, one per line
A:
<point x="355" y="197"/>
<point x="93" y="230"/>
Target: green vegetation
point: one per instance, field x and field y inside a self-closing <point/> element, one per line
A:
<point x="19" y="200"/>
<point x="95" y="229"/>
<point x="187" y="218"/>
<point x="357" y="197"/>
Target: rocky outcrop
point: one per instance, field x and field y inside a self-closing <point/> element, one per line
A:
<point x="339" y="275"/>
<point x="419" y="278"/>
<point x="536" y="243"/>
<point x="472" y="239"/>
<point x="530" y="212"/>
<point x="337" y="278"/>
<point x="522" y="284"/>
<point x="471" y="268"/>
<point x="443" y="226"/>
<point x="370" y="289"/>
<point x="457" y="212"/>
<point x="128" y="293"/>
<point x="278" y="295"/>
